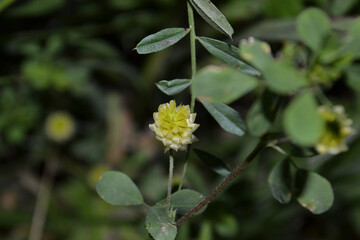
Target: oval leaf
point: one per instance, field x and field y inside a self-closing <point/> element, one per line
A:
<point x="313" y="26"/>
<point x="215" y="163"/>
<point x="161" y="40"/>
<point x="302" y="122"/>
<point x="315" y="192"/>
<point x="118" y="189"/>
<point x="256" y="52"/>
<point x="256" y="120"/>
<point x="226" y="117"/>
<point x="213" y="16"/>
<point x="174" y="86"/>
<point x="281" y="181"/>
<point x="283" y="79"/>
<point x="222" y="84"/>
<point x="159" y="225"/>
<point x="185" y="200"/>
<point x="227" y="53"/>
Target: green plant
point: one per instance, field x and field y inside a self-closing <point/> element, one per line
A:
<point x="291" y="114"/>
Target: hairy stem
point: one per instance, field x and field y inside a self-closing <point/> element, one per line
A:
<point x="193" y="48"/>
<point x="259" y="147"/>
<point x="170" y="182"/>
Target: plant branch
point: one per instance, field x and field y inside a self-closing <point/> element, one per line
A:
<point x="192" y="48"/>
<point x="259" y="147"/>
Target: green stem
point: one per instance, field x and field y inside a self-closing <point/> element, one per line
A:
<point x="170" y="182"/>
<point x="193" y="73"/>
<point x="192" y="48"/>
<point x="184" y="169"/>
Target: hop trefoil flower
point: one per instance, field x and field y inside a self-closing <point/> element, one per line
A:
<point x="174" y="126"/>
<point x="337" y="129"/>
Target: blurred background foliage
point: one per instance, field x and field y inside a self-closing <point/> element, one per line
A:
<point x="76" y="58"/>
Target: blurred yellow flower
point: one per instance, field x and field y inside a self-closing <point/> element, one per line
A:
<point x="59" y="126"/>
<point x="337" y="129"/>
<point x="174" y="126"/>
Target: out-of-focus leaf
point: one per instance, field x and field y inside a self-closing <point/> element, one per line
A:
<point x="185" y="200"/>
<point x="213" y="16"/>
<point x="340" y="7"/>
<point x="5" y="4"/>
<point x="215" y="163"/>
<point x="315" y="192"/>
<point x="313" y="26"/>
<point x="229" y="119"/>
<point x="205" y="231"/>
<point x="281" y="181"/>
<point x="226" y="226"/>
<point x="161" y="40"/>
<point x="296" y="151"/>
<point x="256" y="52"/>
<point x="283" y="9"/>
<point x="256" y="120"/>
<point x="302" y="121"/>
<point x="242" y="10"/>
<point x="282" y="78"/>
<point x="173" y="87"/>
<point x="118" y="189"/>
<point x="227" y="53"/>
<point x="222" y="84"/>
<point x="36" y="8"/>
<point x="353" y="77"/>
<point x="159" y="225"/>
<point x="274" y="30"/>
<point x="352" y="46"/>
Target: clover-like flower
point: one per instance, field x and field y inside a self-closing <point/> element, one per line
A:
<point x="174" y="126"/>
<point x="59" y="126"/>
<point x="337" y="129"/>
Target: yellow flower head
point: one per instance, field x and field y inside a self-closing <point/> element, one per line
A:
<point x="337" y="129"/>
<point x="174" y="126"/>
<point x="59" y="126"/>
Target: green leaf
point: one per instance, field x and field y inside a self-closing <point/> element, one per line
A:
<point x="351" y="45"/>
<point x="283" y="79"/>
<point x="315" y="192"/>
<point x="353" y="77"/>
<point x="313" y="26"/>
<point x="227" y="53"/>
<point x="296" y="151"/>
<point x="256" y="52"/>
<point x="215" y="163"/>
<point x="256" y="120"/>
<point x="118" y="189"/>
<point x="281" y="181"/>
<point x="161" y="40"/>
<point x="222" y="84"/>
<point x="159" y="225"/>
<point x="173" y="87"/>
<point x="5" y="4"/>
<point x="229" y="119"/>
<point x="185" y="200"/>
<point x="302" y="121"/>
<point x="213" y="16"/>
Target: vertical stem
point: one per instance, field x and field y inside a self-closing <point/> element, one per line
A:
<point x="184" y="169"/>
<point x="193" y="48"/>
<point x="170" y="182"/>
<point x="43" y="200"/>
